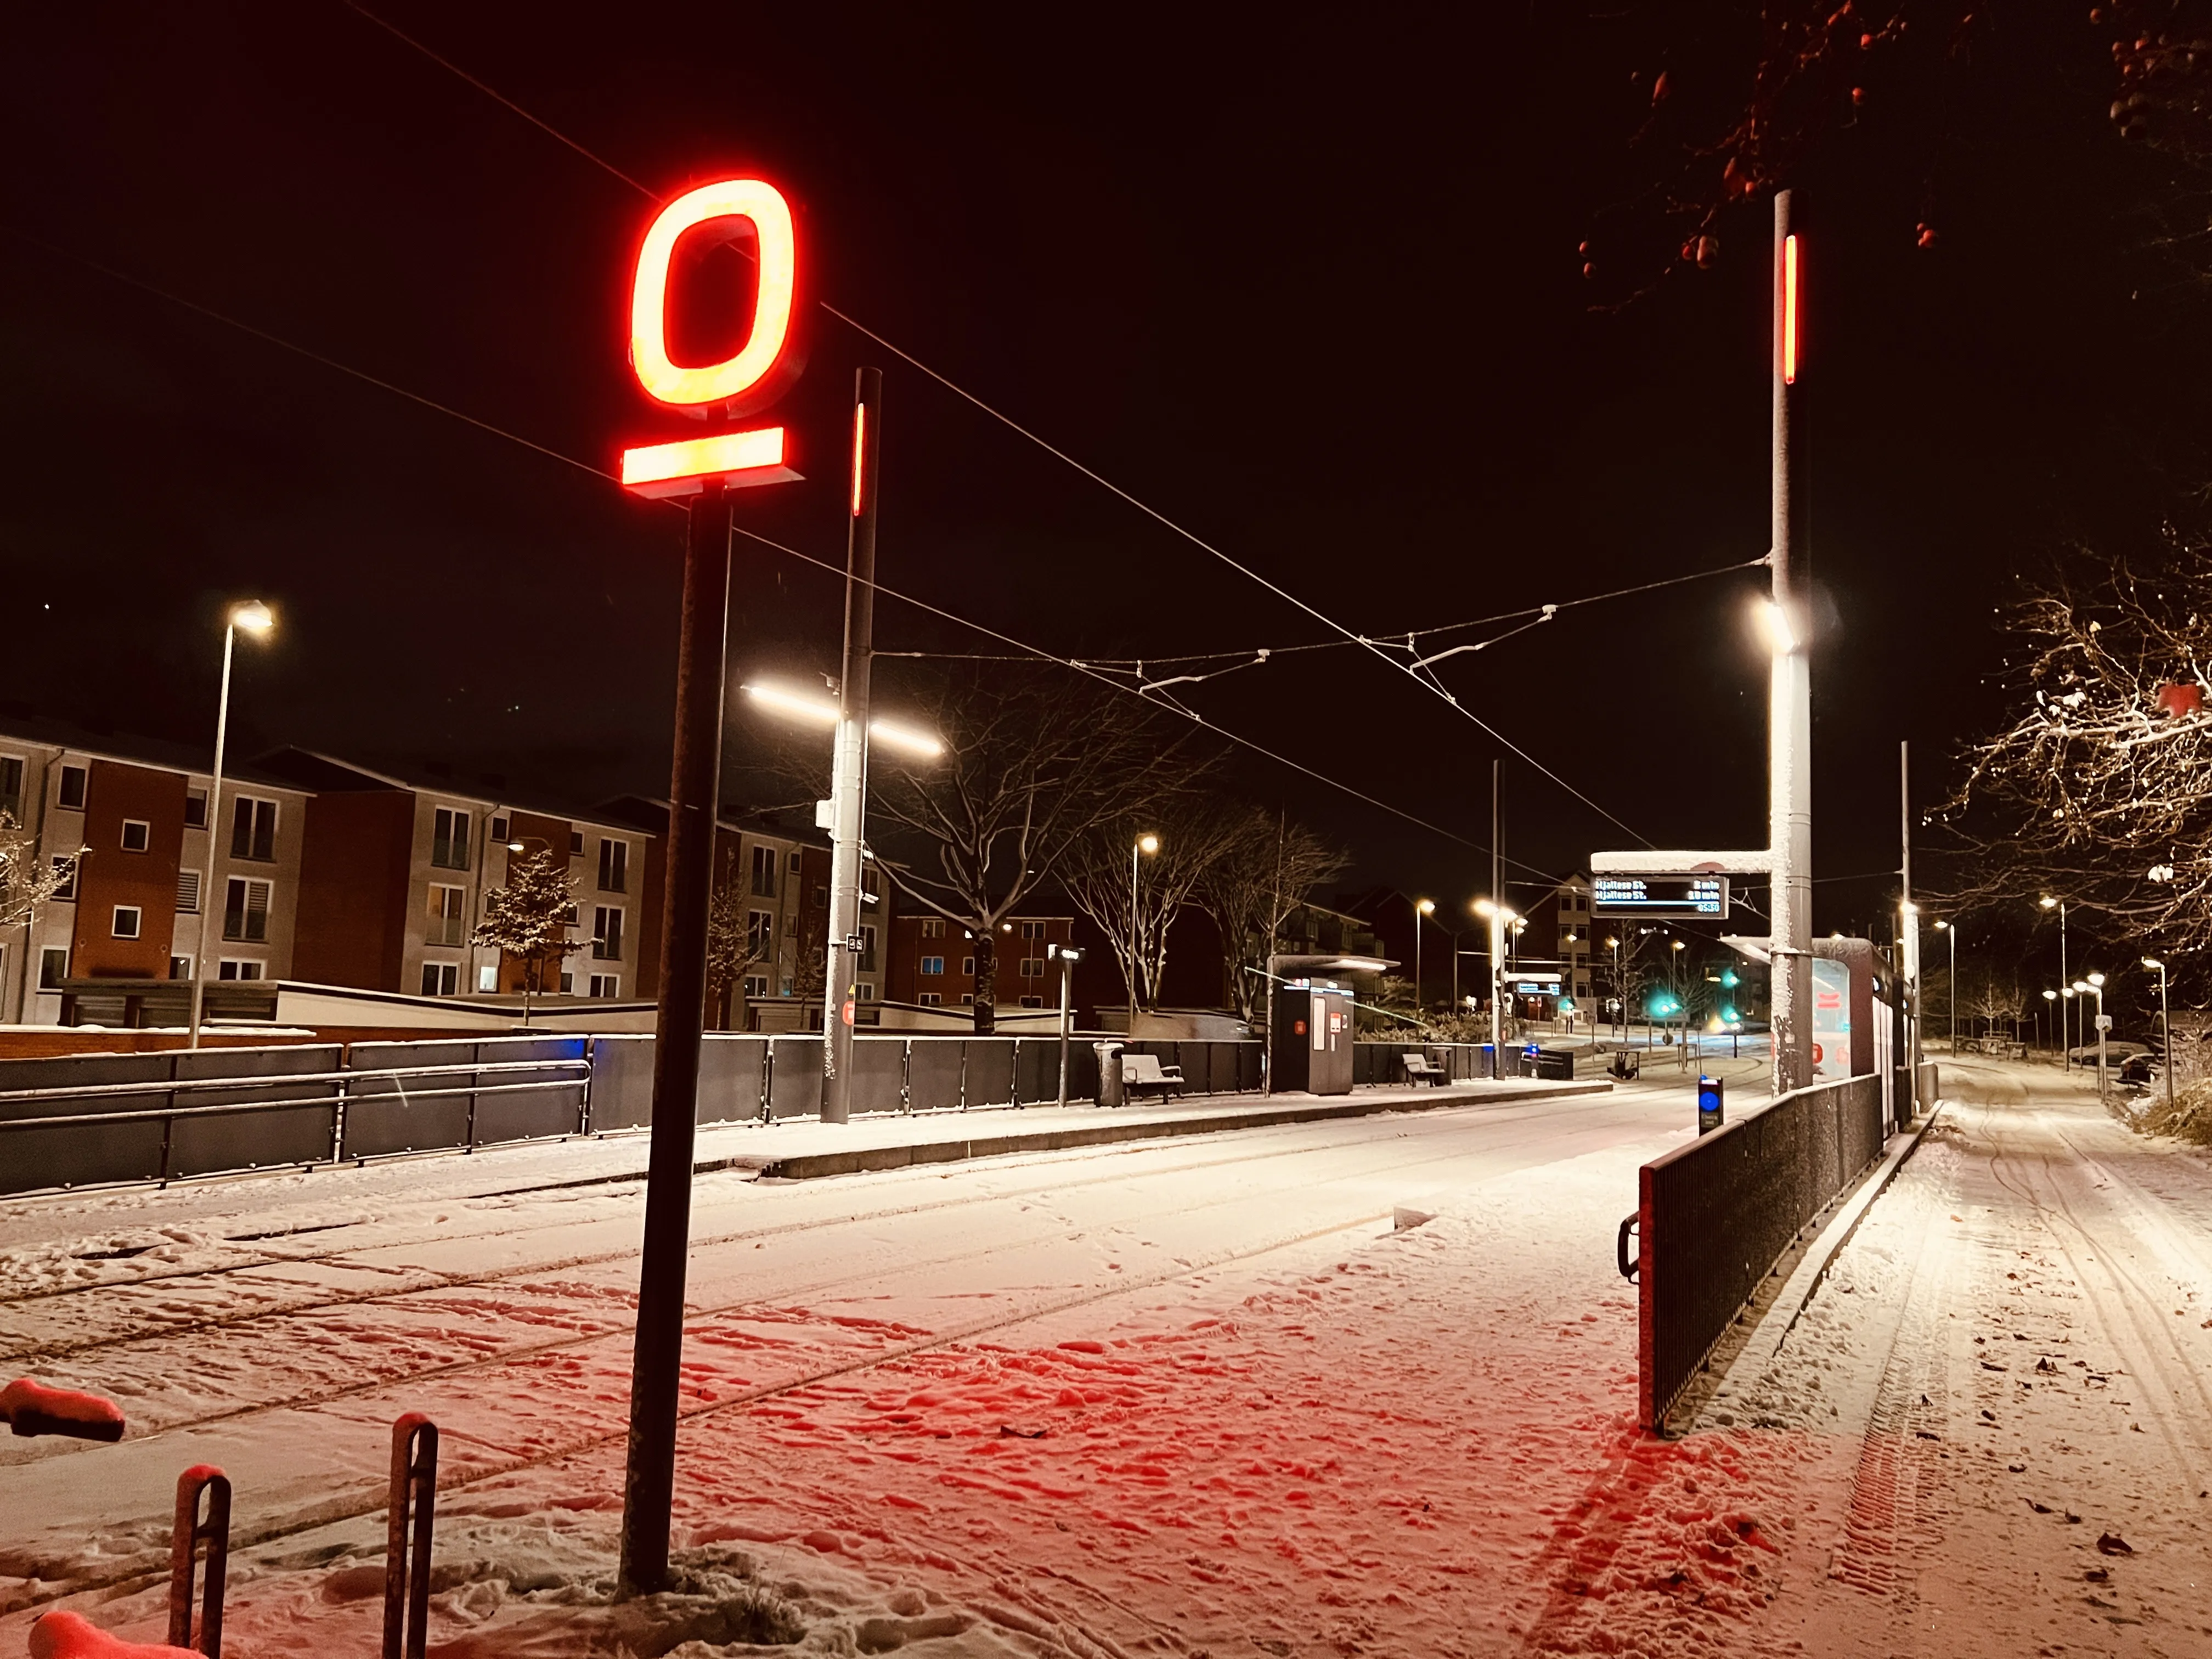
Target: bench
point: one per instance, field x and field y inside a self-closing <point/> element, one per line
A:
<point x="1418" y="1070"/>
<point x="1142" y="1072"/>
<point x="1627" y="1063"/>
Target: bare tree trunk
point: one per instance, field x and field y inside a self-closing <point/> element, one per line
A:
<point x="987" y="981"/>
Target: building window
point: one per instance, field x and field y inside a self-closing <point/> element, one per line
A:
<point x="137" y="834"/>
<point x="449" y="839"/>
<point x="967" y="966"/>
<point x="11" y="787"/>
<point x="180" y="967"/>
<point x="606" y="933"/>
<point x="245" y="909"/>
<point x="445" y="914"/>
<point x="568" y="982"/>
<point x="576" y="843"/>
<point x="1032" y="1002"/>
<point x="499" y="830"/>
<point x="487" y="977"/>
<point x="253" y="829"/>
<point x="188" y="892"/>
<point x="1032" y="930"/>
<point x="195" y="809"/>
<point x="868" y="950"/>
<point x="127" y="921"/>
<point x="821" y="896"/>
<point x="72" y="789"/>
<point x="786" y="985"/>
<point x="614" y="866"/>
<point x="242" y="967"/>
<point x="53" y="968"/>
<point x="606" y="986"/>
<point x="794" y="860"/>
<point x="440" y="979"/>
<point x="932" y="926"/>
<point x="930" y="999"/>
<point x="1032" y="967"/>
<point x="763" y="872"/>
<point x="756" y="986"/>
<point x="867" y="993"/>
<point x="933" y="965"/>
<point x="760" y="932"/>
<point x="967" y="999"/>
<point x="68" y="888"/>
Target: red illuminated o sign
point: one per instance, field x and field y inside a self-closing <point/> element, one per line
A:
<point x="750" y="380"/>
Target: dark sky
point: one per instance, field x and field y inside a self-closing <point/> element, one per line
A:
<point x="1307" y="285"/>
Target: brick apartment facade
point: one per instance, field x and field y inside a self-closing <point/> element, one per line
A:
<point x="932" y="962"/>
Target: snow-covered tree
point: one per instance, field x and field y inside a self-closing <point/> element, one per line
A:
<point x="1273" y="867"/>
<point x="734" y="949"/>
<point x="530" y="918"/>
<point x="1134" y="897"/>
<point x="2099" y="790"/>
<point x="28" y="882"/>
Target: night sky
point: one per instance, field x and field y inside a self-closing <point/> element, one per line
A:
<point x="1309" y="286"/>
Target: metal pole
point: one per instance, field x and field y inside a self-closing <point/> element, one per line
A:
<point x="1911" y="935"/>
<point x="2101" y="1040"/>
<point x="849" y="786"/>
<point x="1789" y="727"/>
<point x="1132" y="941"/>
<point x="2165" y="1036"/>
<point x="1066" y="974"/>
<point x="1954" y="931"/>
<point x="1417" y="957"/>
<point x="214" y="826"/>
<point x="649" y="1479"/>
<point x="2066" y="996"/>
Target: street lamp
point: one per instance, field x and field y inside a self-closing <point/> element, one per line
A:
<point x="1620" y="993"/>
<point x="2165" y="1027"/>
<point x="2094" y="986"/>
<point x="2051" y="996"/>
<point x="1146" y="844"/>
<point x="1953" y="992"/>
<point x="254" y="618"/>
<point x="2065" y="1037"/>
<point x="1421" y="908"/>
<point x="1498" y="918"/>
<point x="1068" y="956"/>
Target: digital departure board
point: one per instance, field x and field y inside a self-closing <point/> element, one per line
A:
<point x="1686" y="898"/>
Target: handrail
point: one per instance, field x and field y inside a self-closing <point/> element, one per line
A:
<point x="322" y="1103"/>
<point x="172" y="1086"/>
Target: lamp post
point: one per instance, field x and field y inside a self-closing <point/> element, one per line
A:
<point x="1620" y="989"/>
<point x="253" y="616"/>
<point x="2094" y="986"/>
<point x="2065" y="1036"/>
<point x="1421" y="908"/>
<point x="2165" y="1027"/>
<point x="1146" y="844"/>
<point x="1951" y="993"/>
<point x="1069" y="955"/>
<point x="2051" y="997"/>
<point x="1675" y="996"/>
<point x="1498" y="917"/>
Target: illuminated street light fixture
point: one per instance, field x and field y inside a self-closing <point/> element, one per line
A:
<point x="1946" y="928"/>
<point x="1421" y="908"/>
<point x="2165" y="1027"/>
<point x="256" y="619"/>
<point x="1148" y="844"/>
<point x="784" y="701"/>
<point x="2094" y="986"/>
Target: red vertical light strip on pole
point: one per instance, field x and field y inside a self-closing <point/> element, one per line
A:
<point x="1790" y="310"/>
<point x="859" y="452"/>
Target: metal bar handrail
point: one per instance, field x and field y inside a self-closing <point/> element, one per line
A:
<point x="174" y="1085"/>
<point x="322" y="1103"/>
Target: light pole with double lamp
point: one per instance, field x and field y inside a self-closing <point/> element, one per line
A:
<point x="2165" y="1027"/>
<point x="2094" y="986"/>
<point x="253" y="616"/>
<point x="1952" y="992"/>
<point x="1146" y="844"/>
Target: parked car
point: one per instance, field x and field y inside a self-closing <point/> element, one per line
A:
<point x="2117" y="1050"/>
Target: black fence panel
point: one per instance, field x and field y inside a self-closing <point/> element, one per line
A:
<point x="531" y="1113"/>
<point x="795" y="1077"/>
<point x="731" y="1068"/>
<point x="622" y="1081"/>
<point x="254" y="1140"/>
<point x="933" y="1071"/>
<point x="879" y="1074"/>
<point x="381" y="1114"/>
<point x="1717" y="1212"/>
<point x="990" y="1072"/>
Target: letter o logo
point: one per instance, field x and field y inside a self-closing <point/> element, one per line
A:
<point x="759" y="373"/>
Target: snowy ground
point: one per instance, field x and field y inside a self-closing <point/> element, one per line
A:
<point x="1196" y="1397"/>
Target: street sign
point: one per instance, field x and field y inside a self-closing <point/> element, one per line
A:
<point x="1688" y="897"/>
<point x="1536" y="985"/>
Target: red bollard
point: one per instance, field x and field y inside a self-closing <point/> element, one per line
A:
<point x="407" y="1574"/>
<point x="184" y="1540"/>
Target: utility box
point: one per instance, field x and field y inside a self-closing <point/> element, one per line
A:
<point x="1556" y="1064"/>
<point x="1709" y="1104"/>
<point x="1309" y="1037"/>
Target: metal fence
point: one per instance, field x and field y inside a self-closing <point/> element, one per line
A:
<point x="80" y="1120"/>
<point x="1716" y="1214"/>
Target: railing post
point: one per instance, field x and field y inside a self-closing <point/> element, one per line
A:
<point x="184" y="1538"/>
<point x="407" y="1571"/>
<point x="768" y="1079"/>
<point x="584" y="1110"/>
<point x="906" y="1075"/>
<point x="168" y="1140"/>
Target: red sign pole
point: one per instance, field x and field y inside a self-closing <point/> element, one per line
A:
<point x="705" y="470"/>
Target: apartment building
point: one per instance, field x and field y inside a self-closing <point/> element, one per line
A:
<point x="117" y="944"/>
<point x="394" y="875"/>
<point x="778" y="866"/>
<point x="932" y="962"/>
<point x="1561" y="922"/>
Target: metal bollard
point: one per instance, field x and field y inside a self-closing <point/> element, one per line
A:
<point x="407" y="1573"/>
<point x="184" y="1541"/>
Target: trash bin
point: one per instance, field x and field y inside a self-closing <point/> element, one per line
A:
<point x="1709" y="1104"/>
<point x="1109" y="1073"/>
<point x="1531" y="1058"/>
